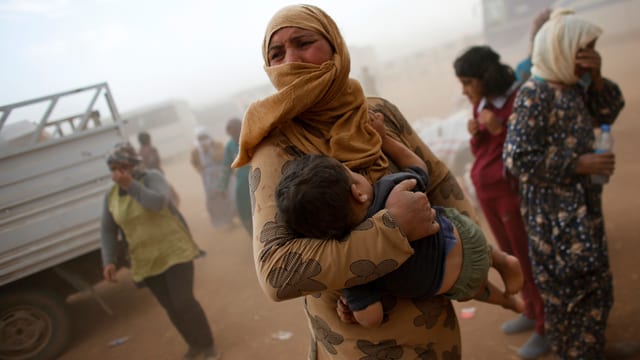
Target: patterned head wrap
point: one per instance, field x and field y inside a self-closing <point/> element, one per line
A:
<point x="317" y="107"/>
<point x="124" y="153"/>
<point x="557" y="43"/>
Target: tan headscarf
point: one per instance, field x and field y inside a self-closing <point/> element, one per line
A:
<point x="557" y="43"/>
<point x="317" y="107"/>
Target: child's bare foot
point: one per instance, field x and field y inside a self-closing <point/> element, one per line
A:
<point x="513" y="302"/>
<point x="509" y="268"/>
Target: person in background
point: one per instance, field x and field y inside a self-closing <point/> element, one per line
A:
<point x="148" y="152"/>
<point x="549" y="147"/>
<point x="491" y="88"/>
<point x="242" y="195"/>
<point x="151" y="160"/>
<point x="523" y="69"/>
<point x="206" y="158"/>
<point x="318" y="109"/>
<point x="161" y="249"/>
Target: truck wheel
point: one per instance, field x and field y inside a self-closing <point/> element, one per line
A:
<point x="33" y="325"/>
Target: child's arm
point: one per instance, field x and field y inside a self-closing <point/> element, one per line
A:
<point x="371" y="316"/>
<point x="397" y="151"/>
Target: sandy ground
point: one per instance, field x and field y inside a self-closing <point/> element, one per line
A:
<point x="247" y="325"/>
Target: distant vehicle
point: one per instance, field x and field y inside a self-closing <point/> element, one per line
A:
<point x="171" y="125"/>
<point x="52" y="187"/>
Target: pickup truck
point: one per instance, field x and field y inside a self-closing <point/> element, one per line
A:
<point x="52" y="185"/>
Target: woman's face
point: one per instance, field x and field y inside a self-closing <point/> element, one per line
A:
<point x="471" y="88"/>
<point x="119" y="167"/>
<point x="291" y="44"/>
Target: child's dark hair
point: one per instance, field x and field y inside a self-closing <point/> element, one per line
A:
<point x="144" y="138"/>
<point x="313" y="197"/>
<point x="481" y="62"/>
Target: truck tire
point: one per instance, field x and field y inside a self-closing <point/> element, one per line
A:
<point x="34" y="325"/>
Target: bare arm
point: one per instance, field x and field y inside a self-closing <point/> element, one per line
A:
<point x="397" y="151"/>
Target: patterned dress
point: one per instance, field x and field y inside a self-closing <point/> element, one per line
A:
<point x="290" y="267"/>
<point x="549" y="129"/>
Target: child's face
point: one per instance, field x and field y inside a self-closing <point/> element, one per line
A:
<point x="361" y="194"/>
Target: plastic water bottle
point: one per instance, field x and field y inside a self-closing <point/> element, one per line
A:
<point x="604" y="143"/>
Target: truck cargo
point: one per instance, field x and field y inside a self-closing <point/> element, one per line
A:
<point x="52" y="185"/>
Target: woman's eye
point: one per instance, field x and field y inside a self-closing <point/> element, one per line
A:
<point x="274" y="55"/>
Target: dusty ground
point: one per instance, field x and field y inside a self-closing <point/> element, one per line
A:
<point x="247" y="325"/>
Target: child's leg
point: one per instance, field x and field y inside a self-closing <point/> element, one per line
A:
<point x="508" y="267"/>
<point x="493" y="295"/>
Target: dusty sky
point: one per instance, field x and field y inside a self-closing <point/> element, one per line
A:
<point x="197" y="50"/>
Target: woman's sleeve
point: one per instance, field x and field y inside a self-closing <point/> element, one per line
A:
<point x="606" y="104"/>
<point x="443" y="189"/>
<point x="527" y="153"/>
<point x="229" y="156"/>
<point x="289" y="267"/>
<point x="108" y="234"/>
<point x="153" y="193"/>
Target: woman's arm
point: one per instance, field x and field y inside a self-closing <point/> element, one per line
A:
<point x="108" y="234"/>
<point x="443" y="189"/>
<point x="605" y="104"/>
<point x="394" y="149"/>
<point x="153" y="193"/>
<point x="528" y="153"/>
<point x="290" y="267"/>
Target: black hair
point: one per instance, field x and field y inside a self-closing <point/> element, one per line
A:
<point x="481" y="62"/>
<point x="313" y="197"/>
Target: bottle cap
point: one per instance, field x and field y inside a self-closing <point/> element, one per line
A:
<point x="605" y="127"/>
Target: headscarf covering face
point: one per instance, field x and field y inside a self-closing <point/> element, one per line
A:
<point x="557" y="43"/>
<point x="123" y="153"/>
<point x="317" y="107"/>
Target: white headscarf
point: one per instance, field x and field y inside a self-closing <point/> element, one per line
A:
<point x="557" y="43"/>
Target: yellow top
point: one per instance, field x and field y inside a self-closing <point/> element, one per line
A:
<point x="157" y="239"/>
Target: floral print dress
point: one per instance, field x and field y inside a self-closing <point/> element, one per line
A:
<point x="551" y="126"/>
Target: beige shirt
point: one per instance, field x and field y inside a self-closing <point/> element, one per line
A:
<point x="290" y="267"/>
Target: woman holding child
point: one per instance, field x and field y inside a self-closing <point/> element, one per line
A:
<point x="318" y="109"/>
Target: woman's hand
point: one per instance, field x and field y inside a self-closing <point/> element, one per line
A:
<point x="487" y="118"/>
<point x="344" y="312"/>
<point x="109" y="273"/>
<point x="472" y="126"/>
<point x="122" y="178"/>
<point x="589" y="60"/>
<point x="592" y="163"/>
<point x="377" y="121"/>
<point x="412" y="211"/>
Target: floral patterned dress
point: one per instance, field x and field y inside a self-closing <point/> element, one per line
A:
<point x="550" y="128"/>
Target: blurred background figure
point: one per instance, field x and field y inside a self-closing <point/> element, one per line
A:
<point x="161" y="249"/>
<point x="239" y="187"/>
<point x="148" y="152"/>
<point x="206" y="158"/>
<point x="491" y="88"/>
<point x="151" y="160"/>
